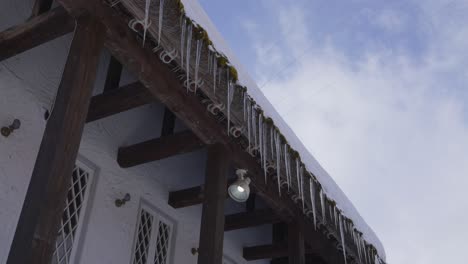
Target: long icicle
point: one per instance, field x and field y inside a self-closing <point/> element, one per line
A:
<point x="322" y="203"/>
<point x="161" y="13"/>
<point x="265" y="153"/>
<point x="312" y="201"/>
<point x="342" y="239"/>
<point x="249" y="129"/>
<point x="187" y="54"/>
<point x="215" y="73"/>
<point x="182" y="40"/>
<point x="260" y="138"/>
<point x="197" y="62"/>
<point x="278" y="160"/>
<point x="302" y="188"/>
<point x="146" y="19"/>
<point x="229" y="102"/>
<point x="286" y="164"/>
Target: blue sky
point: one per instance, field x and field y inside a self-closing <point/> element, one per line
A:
<point x="377" y="90"/>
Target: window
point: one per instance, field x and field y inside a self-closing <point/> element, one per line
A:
<point x="152" y="239"/>
<point x="72" y="217"/>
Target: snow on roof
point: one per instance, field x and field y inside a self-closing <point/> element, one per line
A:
<point x="196" y="13"/>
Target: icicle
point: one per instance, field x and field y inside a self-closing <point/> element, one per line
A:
<point x="297" y="177"/>
<point x="182" y="40"/>
<point x="312" y="201"/>
<point x="342" y="239"/>
<point x="187" y="56"/>
<point x="254" y="126"/>
<point x="286" y="164"/>
<point x="272" y="145"/>
<point x="322" y="203"/>
<point x="215" y="72"/>
<point x="302" y="188"/>
<point x="260" y="138"/>
<point x="210" y="61"/>
<point x="265" y="150"/>
<point x="335" y="215"/>
<point x="278" y="160"/>
<point x="161" y="13"/>
<point x="244" y="95"/>
<point x="230" y="95"/>
<point x="146" y="23"/>
<point x="248" y="125"/>
<point x="197" y="62"/>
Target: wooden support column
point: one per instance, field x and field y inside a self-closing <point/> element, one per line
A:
<point x="35" y="32"/>
<point x="296" y="245"/>
<point x="212" y="221"/>
<point x="42" y="210"/>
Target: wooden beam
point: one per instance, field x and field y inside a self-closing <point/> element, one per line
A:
<point x="114" y="72"/>
<point x="296" y="245"/>
<point x="212" y="221"/>
<point x="268" y="251"/>
<point x="36" y="232"/>
<point x="159" y="148"/>
<point x="34" y="32"/>
<point x="168" y="124"/>
<point x="250" y="219"/>
<point x="40" y="7"/>
<point x="186" y="197"/>
<point x="116" y="101"/>
<point x="190" y="196"/>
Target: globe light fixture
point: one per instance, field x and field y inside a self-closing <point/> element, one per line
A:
<point x="239" y="190"/>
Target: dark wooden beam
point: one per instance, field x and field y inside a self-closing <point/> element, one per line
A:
<point x="268" y="251"/>
<point x="159" y="148"/>
<point x="212" y="221"/>
<point x="114" y="71"/>
<point x="40" y="7"/>
<point x="116" y="101"/>
<point x="250" y="219"/>
<point x="168" y="124"/>
<point x="190" y="196"/>
<point x="186" y="197"/>
<point x="296" y="245"/>
<point x="36" y="232"/>
<point x="34" y="32"/>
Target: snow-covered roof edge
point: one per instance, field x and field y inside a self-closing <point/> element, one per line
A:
<point x="194" y="11"/>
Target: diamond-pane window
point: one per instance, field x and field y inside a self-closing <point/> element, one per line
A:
<point x="152" y="239"/>
<point x="72" y="216"/>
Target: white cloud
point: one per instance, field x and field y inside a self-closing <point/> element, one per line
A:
<point x="391" y="130"/>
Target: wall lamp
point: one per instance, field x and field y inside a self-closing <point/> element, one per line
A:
<point x="239" y="190"/>
<point x="120" y="202"/>
<point x="7" y="130"/>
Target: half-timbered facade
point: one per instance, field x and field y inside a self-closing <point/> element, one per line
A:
<point x="123" y="125"/>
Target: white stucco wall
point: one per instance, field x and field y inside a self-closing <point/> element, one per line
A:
<point x="28" y="83"/>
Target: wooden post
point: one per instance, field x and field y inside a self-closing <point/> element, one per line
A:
<point x="38" y="224"/>
<point x="212" y="221"/>
<point x="296" y="245"/>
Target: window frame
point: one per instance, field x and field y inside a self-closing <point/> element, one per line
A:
<point x="88" y="201"/>
<point x="158" y="216"/>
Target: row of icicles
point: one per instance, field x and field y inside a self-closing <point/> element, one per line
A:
<point x="277" y="158"/>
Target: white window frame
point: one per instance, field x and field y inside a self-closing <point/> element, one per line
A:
<point x="158" y="217"/>
<point x="92" y="171"/>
